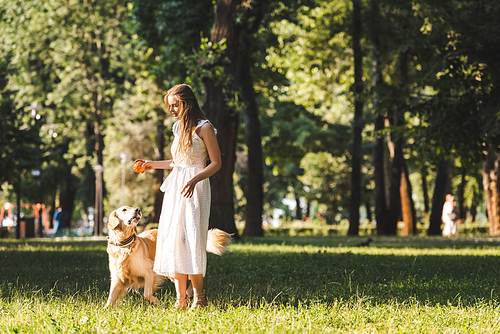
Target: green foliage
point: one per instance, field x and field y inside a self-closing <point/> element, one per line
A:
<point x="209" y="63"/>
<point x="309" y="121"/>
<point x="455" y="77"/>
<point x="268" y="285"/>
<point x="131" y="132"/>
<point x="313" y="53"/>
<point x="19" y="138"/>
<point x="173" y="30"/>
<point x="289" y="133"/>
<point x="75" y="59"/>
<point x="326" y="178"/>
<point x="103" y="66"/>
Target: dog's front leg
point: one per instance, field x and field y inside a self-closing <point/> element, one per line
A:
<point x="148" y="290"/>
<point x="116" y="290"/>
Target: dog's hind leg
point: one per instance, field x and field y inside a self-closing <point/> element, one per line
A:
<point x="116" y="290"/>
<point x="149" y="287"/>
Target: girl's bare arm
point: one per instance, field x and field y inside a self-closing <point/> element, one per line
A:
<point x="161" y="164"/>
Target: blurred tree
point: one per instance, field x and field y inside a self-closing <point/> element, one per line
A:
<point x="379" y="145"/>
<point x="358" y="121"/>
<point x="70" y="56"/>
<point x="235" y="24"/>
<point x="19" y="138"/>
<point x="313" y="51"/>
<point x="459" y="61"/>
<point x="290" y="132"/>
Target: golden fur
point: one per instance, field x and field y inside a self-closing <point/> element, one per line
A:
<point x="131" y="256"/>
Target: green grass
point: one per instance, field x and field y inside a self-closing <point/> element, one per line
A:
<point x="268" y="285"/>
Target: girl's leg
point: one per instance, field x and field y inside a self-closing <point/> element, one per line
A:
<point x="180" y="281"/>
<point x="197" y="281"/>
<point x="200" y="298"/>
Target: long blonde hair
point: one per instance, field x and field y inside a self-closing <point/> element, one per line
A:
<point x="190" y="113"/>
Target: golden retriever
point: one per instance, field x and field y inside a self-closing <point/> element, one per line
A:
<point x="131" y="256"/>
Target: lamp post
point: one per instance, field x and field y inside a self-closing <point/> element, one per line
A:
<point x="98" y="169"/>
<point x="35" y="108"/>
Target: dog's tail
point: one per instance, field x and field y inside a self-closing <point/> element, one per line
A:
<point x="217" y="241"/>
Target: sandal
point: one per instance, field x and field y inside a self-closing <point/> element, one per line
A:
<point x="182" y="303"/>
<point x="200" y="301"/>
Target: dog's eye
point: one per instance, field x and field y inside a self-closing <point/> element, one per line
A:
<point x="124" y="210"/>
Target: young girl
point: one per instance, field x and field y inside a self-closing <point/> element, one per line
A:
<point x="182" y="232"/>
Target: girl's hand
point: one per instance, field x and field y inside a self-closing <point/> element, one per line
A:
<point x="188" y="189"/>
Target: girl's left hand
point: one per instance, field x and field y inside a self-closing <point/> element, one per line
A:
<point x="188" y="189"/>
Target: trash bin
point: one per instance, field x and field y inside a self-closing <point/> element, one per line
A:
<point x="28" y="227"/>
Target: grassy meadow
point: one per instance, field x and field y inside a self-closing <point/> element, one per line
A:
<point x="268" y="285"/>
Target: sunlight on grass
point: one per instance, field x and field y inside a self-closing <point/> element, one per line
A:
<point x="269" y="285"/>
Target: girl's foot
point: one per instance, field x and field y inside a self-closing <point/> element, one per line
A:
<point x="181" y="303"/>
<point x="200" y="300"/>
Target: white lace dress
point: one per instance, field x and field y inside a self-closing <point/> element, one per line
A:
<point x="182" y="231"/>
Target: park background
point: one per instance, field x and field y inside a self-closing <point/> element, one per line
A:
<point x="325" y="109"/>
<point x="331" y="115"/>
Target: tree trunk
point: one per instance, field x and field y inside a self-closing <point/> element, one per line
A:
<point x="379" y="175"/>
<point x="391" y="225"/>
<point x="98" y="214"/>
<point x="387" y="171"/>
<point x="159" y="173"/>
<point x="378" y="143"/>
<point x="99" y="148"/>
<point x="487" y="168"/>
<point x="253" y="139"/>
<point x="67" y="193"/>
<point x="407" y="205"/>
<point x="358" y="121"/>
<point x="460" y="195"/>
<point x="423" y="175"/>
<point x="440" y="189"/>
<point x="18" y="203"/>
<point x="491" y="192"/>
<point x="395" y="145"/>
<point x="298" y="209"/>
<point x="395" y="204"/>
<point x="224" y="118"/>
<point x="99" y="141"/>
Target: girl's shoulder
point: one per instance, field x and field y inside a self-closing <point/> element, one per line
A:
<point x="205" y="124"/>
<point x="175" y="128"/>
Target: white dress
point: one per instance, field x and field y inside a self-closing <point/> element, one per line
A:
<point x="182" y="231"/>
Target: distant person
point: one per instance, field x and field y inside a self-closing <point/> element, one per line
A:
<point x="449" y="216"/>
<point x="59" y="221"/>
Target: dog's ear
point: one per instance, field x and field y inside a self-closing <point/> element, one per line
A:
<point x="113" y="220"/>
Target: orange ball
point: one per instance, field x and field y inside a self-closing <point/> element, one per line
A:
<point x="139" y="167"/>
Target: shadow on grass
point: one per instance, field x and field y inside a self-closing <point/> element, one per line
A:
<point x="437" y="242"/>
<point x="271" y="275"/>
